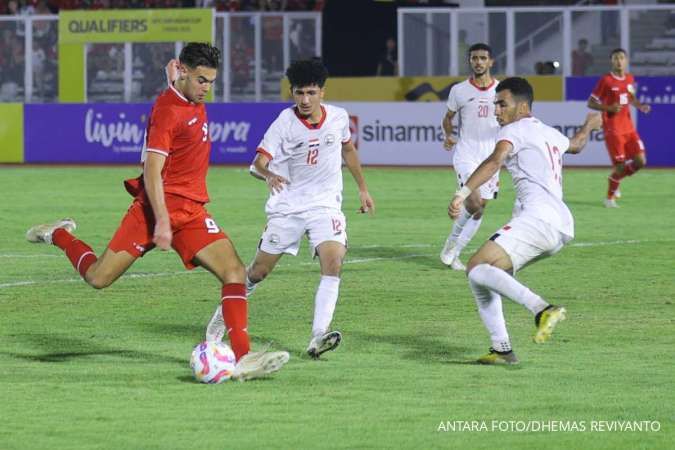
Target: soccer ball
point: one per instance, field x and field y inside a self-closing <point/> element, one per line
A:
<point x="212" y="362"/>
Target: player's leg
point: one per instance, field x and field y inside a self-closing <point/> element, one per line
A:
<point x="328" y="237"/>
<point x="262" y="265"/>
<point x="221" y="259"/>
<point x="616" y="148"/>
<point x="507" y="251"/>
<point x="117" y="258"/>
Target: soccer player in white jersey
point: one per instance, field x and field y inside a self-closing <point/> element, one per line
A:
<point x="473" y="101"/>
<point x="541" y="224"/>
<point x="300" y="157"/>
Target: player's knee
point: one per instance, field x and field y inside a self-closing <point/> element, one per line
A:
<point x="619" y="168"/>
<point x="99" y="280"/>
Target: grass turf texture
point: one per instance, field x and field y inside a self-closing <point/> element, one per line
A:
<point x="86" y="369"/>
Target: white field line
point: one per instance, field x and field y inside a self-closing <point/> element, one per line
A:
<point x="348" y="261"/>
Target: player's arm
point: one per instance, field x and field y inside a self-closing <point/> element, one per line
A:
<point x="449" y="140"/>
<point x="578" y="142"/>
<point x="595" y="104"/>
<point x="154" y="188"/>
<point x="351" y="159"/>
<point x="483" y="173"/>
<point x="275" y="183"/>
<point x="642" y="107"/>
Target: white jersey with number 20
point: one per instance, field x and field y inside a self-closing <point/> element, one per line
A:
<point x="535" y="164"/>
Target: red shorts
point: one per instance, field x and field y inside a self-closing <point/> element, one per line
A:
<point x="192" y="226"/>
<point x="622" y="147"/>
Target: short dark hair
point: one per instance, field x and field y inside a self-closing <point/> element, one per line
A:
<point x="617" y="50"/>
<point x="197" y="54"/>
<point x="479" y="46"/>
<point x="307" y="72"/>
<point x="520" y="88"/>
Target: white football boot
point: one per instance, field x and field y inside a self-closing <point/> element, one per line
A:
<point x="43" y="232"/>
<point x="323" y="343"/>
<point x="450" y="256"/>
<point x="610" y="203"/>
<point x="215" y="330"/>
<point x="258" y="364"/>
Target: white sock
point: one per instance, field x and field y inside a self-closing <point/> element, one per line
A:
<point x="504" y="284"/>
<point x="490" y="310"/>
<point x="324" y="303"/>
<point x="470" y="228"/>
<point x="250" y="286"/>
<point x="458" y="225"/>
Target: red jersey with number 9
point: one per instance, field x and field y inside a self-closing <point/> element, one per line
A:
<point x="179" y="130"/>
<point x="610" y="90"/>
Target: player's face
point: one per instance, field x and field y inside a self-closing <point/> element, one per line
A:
<point x="480" y="62"/>
<point x="619" y="62"/>
<point x="308" y="99"/>
<point x="199" y="82"/>
<point x="506" y="108"/>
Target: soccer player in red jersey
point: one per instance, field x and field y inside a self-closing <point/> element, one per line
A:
<point x="168" y="208"/>
<point x="612" y="95"/>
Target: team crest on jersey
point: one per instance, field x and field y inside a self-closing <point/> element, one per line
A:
<point x="329" y="139"/>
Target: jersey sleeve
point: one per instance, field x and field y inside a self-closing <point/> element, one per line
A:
<point x="346" y="134"/>
<point x="563" y="142"/>
<point x="452" y="100"/>
<point x="272" y="141"/>
<point x="598" y="93"/>
<point x="161" y="131"/>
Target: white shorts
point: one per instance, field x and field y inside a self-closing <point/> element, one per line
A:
<point x="526" y="239"/>
<point x="488" y="190"/>
<point x="284" y="233"/>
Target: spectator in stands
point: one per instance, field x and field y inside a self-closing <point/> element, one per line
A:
<point x="581" y="59"/>
<point x="387" y="66"/>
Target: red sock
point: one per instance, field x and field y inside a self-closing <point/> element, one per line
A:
<point x="80" y="254"/>
<point x="235" y="313"/>
<point x="613" y="185"/>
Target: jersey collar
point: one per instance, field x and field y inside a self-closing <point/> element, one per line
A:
<point x="305" y="122"/>
<point x="480" y="88"/>
<point x="616" y="77"/>
<point x="178" y="94"/>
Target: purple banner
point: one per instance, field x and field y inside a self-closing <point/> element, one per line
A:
<point x="113" y="133"/>
<point x="657" y="131"/>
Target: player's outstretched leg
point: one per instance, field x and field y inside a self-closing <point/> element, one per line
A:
<point x="546" y="322"/>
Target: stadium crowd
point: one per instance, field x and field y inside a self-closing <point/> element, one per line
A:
<point x="28" y="7"/>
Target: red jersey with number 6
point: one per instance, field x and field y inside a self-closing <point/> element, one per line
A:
<point x="179" y="130"/>
<point x="610" y="90"/>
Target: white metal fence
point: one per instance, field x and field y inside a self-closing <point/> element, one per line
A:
<point x="257" y="47"/>
<point x="531" y="40"/>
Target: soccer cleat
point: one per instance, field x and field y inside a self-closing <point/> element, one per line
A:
<point x="611" y="203"/>
<point x="43" y="233"/>
<point x="495" y="358"/>
<point x="258" y="364"/>
<point x="547" y="320"/>
<point x="323" y="343"/>
<point x="215" y="330"/>
<point x="450" y="256"/>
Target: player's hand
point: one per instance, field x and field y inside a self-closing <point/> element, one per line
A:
<point x="275" y="183"/>
<point x="367" y="203"/>
<point x="645" y="108"/>
<point x="162" y="235"/>
<point x="614" y="108"/>
<point x="594" y="120"/>
<point x="449" y="142"/>
<point x="171" y="71"/>
<point x="455" y="207"/>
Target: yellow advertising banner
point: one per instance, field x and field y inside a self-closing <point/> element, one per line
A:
<point x="547" y="88"/>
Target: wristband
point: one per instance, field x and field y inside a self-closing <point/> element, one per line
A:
<point x="464" y="192"/>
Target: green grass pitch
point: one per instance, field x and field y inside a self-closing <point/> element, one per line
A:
<point x="86" y="369"/>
